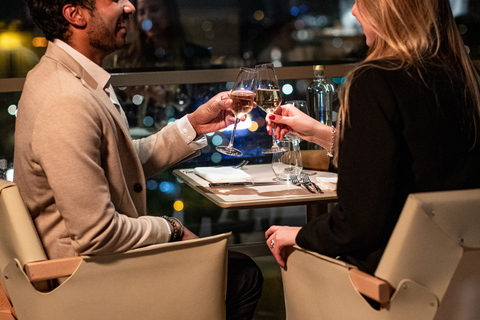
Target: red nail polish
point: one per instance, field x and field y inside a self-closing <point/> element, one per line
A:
<point x="271" y="117"/>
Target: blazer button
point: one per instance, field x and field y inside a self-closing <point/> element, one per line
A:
<point x="138" y="188"/>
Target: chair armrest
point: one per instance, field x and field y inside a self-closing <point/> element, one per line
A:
<point x="370" y="286"/>
<point x="6" y="310"/>
<point x="51" y="269"/>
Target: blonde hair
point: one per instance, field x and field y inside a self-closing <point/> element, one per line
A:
<point x="415" y="33"/>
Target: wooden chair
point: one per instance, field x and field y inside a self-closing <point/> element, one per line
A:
<point x="180" y="280"/>
<point x="430" y="268"/>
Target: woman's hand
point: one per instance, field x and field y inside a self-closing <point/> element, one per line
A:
<point x="279" y="237"/>
<point x="293" y="121"/>
<point x="288" y="119"/>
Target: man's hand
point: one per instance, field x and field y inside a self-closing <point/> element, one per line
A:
<point x="213" y="115"/>
<point x="188" y="235"/>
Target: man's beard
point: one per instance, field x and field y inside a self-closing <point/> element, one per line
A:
<point x="101" y="38"/>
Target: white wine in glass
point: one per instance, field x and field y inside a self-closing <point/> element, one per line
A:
<point x="242" y="95"/>
<point x="268" y="97"/>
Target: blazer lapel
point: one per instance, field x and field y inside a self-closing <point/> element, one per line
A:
<point x="98" y="92"/>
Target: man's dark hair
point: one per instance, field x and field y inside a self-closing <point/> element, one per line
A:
<point x="48" y="16"/>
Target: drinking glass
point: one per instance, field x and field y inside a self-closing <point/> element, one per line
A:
<point x="268" y="97"/>
<point x="300" y="105"/>
<point x="287" y="164"/>
<point x="242" y="94"/>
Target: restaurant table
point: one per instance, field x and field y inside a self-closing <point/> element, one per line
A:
<point x="278" y="194"/>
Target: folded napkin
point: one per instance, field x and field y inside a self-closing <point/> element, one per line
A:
<point x="222" y="174"/>
<point x="327" y="183"/>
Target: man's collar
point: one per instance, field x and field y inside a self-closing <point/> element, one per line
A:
<point x="97" y="72"/>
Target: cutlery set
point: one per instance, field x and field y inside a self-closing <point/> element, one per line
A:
<point x="307" y="183"/>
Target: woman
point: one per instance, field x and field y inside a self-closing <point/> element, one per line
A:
<point x="409" y="123"/>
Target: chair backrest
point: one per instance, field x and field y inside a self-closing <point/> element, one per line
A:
<point x="18" y="236"/>
<point x="179" y="280"/>
<point x="430" y="237"/>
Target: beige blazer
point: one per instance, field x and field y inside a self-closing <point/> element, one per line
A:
<point x="79" y="173"/>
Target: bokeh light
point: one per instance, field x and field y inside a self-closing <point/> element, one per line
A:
<point x="337" y="42"/>
<point x="169" y="111"/>
<point x="294" y="11"/>
<point x="152" y="185"/>
<point x="147" y="25"/>
<point x="287" y="89"/>
<point x="216" y="157"/>
<point x="12" y="110"/>
<point x="259" y="15"/>
<point x="148" y="121"/>
<point x="253" y="127"/>
<point x="137" y="99"/>
<point x="217" y="140"/>
<point x="178" y="205"/>
<point x="166" y="187"/>
<point x="260" y="121"/>
<point x="39" y="42"/>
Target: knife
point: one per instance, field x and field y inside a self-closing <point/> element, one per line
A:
<point x="243" y="183"/>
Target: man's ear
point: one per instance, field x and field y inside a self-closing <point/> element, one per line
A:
<point x="75" y="15"/>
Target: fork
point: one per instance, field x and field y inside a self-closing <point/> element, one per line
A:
<point x="296" y="182"/>
<point x="306" y="180"/>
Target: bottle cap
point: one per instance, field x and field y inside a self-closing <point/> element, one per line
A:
<point x="318" y="67"/>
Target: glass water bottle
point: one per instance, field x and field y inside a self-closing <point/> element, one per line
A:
<point x="320" y="97"/>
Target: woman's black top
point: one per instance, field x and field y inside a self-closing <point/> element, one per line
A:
<point x="405" y="134"/>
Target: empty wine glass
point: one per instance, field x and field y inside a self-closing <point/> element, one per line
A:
<point x="243" y="95"/>
<point x="268" y="97"/>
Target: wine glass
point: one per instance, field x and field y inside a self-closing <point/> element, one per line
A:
<point x="242" y="94"/>
<point x="268" y="97"/>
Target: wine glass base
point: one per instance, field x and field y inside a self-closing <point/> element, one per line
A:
<point x="274" y="150"/>
<point x="229" y="151"/>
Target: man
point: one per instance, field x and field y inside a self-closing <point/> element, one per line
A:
<point x="78" y="170"/>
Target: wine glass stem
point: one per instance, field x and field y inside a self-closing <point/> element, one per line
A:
<point x="274" y="141"/>
<point x="230" y="144"/>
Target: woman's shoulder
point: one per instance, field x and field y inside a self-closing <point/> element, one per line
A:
<point x="396" y="70"/>
<point x="383" y="68"/>
<point x="394" y="74"/>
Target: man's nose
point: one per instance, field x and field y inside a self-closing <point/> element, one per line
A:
<point x="129" y="7"/>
